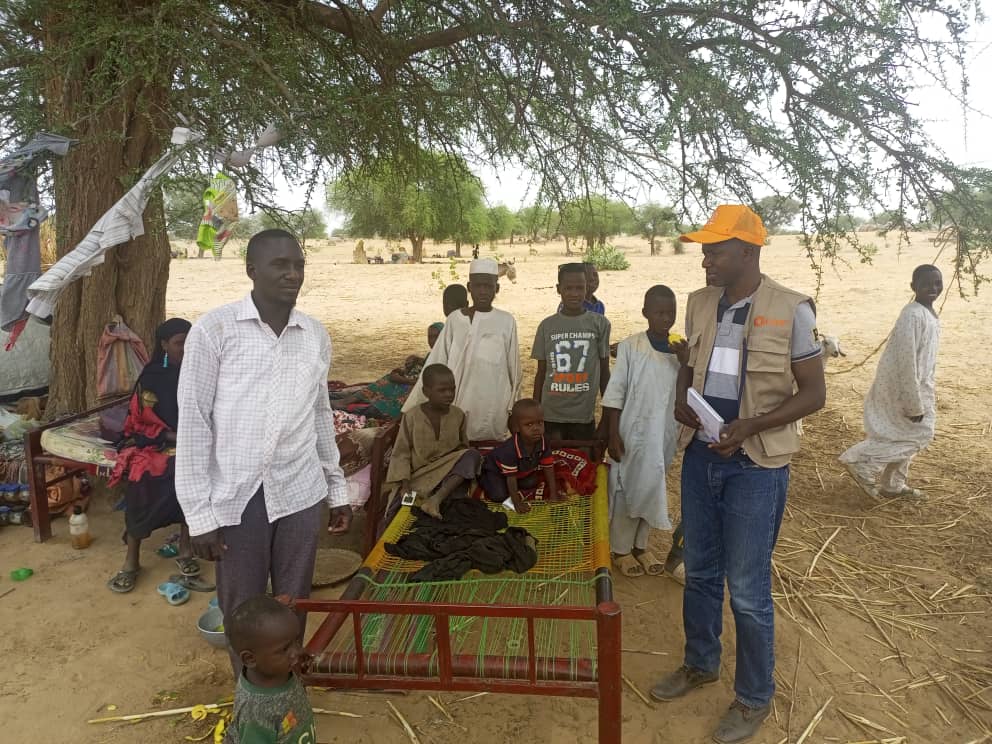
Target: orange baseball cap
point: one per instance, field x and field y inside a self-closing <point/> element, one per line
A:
<point x="730" y="221"/>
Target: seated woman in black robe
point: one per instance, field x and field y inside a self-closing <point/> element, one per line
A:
<point x="146" y="457"/>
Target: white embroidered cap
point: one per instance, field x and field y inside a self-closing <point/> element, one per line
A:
<point x="483" y="266"/>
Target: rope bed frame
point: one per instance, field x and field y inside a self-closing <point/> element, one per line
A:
<point x="37" y="458"/>
<point x="552" y="631"/>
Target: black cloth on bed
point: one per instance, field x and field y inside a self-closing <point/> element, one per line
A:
<point x="470" y="536"/>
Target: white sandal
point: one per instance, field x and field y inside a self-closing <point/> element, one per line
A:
<point x="906" y="492"/>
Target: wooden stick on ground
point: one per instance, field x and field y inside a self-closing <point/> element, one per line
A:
<point x="812" y="565"/>
<point x="403" y="722"/>
<point x="795" y="684"/>
<point x="635" y="690"/>
<point x="815" y="722"/>
<point x="444" y="711"/>
<point x="160" y="713"/>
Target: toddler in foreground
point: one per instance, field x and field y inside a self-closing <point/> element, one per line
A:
<point x="270" y="702"/>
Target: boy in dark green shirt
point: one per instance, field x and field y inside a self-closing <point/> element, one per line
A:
<point x="270" y="703"/>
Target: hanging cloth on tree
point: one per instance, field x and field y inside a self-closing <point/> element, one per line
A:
<point x="220" y="214"/>
<point x="21" y="215"/>
<point x="119" y="224"/>
<point x="120" y="358"/>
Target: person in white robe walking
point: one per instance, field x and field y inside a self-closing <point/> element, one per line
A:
<point x="639" y="404"/>
<point x="900" y="409"/>
<point x="479" y="345"/>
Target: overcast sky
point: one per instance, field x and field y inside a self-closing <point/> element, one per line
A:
<point x="964" y="136"/>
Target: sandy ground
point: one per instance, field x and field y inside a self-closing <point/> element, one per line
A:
<point x="889" y="629"/>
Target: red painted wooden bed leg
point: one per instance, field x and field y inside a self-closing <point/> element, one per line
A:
<point x="608" y="637"/>
<point x="40" y="518"/>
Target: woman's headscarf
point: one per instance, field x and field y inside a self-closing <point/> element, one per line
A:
<point x="157" y="385"/>
<point x="438" y="326"/>
<point x="171" y="327"/>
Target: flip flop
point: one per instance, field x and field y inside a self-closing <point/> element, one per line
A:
<point x="169" y="550"/>
<point x="188" y="566"/>
<point x="122" y="582"/>
<point x="193" y="583"/>
<point x="652" y="564"/>
<point x="174" y="594"/>
<point x="628" y="565"/>
<point x="677" y="574"/>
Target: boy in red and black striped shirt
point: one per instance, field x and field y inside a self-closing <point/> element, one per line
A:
<point x="521" y="461"/>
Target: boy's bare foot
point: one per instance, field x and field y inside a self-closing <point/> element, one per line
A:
<point x="432" y="506"/>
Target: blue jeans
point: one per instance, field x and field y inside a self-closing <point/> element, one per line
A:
<point x="731" y="513"/>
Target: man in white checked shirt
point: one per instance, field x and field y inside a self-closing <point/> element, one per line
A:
<point x="255" y="449"/>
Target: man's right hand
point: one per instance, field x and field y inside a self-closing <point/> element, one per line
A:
<point x="209" y="546"/>
<point x="685" y="415"/>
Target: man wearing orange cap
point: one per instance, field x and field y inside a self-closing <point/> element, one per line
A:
<point x="754" y="358"/>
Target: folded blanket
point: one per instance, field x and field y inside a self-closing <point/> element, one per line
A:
<point x="469" y="536"/>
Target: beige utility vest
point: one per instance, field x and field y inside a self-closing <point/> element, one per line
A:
<point x="766" y="363"/>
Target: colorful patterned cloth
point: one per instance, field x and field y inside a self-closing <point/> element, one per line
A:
<point x="220" y="214"/>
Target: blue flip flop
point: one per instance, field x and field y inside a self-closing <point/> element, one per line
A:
<point x="173" y="593"/>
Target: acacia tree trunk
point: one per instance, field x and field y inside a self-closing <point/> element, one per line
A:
<point x="118" y="140"/>
<point x="458" y="247"/>
<point x="654" y="245"/>
<point x="417" y="241"/>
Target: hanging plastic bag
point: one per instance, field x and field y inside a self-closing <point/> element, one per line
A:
<point x="120" y="359"/>
<point x="220" y="214"/>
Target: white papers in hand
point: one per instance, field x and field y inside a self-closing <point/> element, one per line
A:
<point x="711" y="420"/>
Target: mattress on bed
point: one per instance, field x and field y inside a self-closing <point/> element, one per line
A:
<point x="80" y="441"/>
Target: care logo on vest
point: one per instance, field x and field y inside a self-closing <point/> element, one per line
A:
<point x="761" y="321"/>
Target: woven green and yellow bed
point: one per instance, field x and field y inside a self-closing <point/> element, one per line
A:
<point x="553" y="630"/>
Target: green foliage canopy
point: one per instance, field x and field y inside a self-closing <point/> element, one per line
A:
<point x="706" y="101"/>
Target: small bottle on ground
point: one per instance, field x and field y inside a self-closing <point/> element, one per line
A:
<point x="79" y="529"/>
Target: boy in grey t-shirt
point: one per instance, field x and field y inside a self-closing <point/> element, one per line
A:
<point x="572" y="349"/>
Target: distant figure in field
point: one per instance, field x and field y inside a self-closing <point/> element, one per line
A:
<point x="900" y="410"/>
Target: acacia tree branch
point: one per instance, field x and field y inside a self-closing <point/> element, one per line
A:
<point x="380" y="10"/>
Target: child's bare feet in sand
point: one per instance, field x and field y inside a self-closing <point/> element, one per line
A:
<point x="433" y="506"/>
